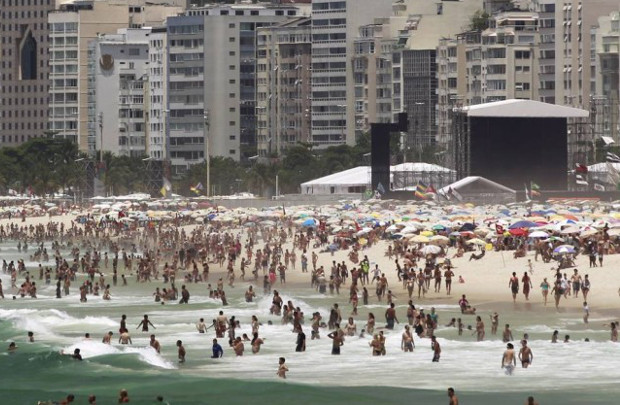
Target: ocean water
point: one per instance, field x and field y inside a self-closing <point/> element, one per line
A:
<point x="574" y="373"/>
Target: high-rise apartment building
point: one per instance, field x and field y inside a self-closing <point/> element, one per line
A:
<point x="120" y="74"/>
<point x="573" y="64"/>
<point x="212" y="80"/>
<point x="335" y="25"/>
<point x="283" y="86"/>
<point x="24" y="70"/>
<point x="496" y="64"/>
<point x="157" y="93"/>
<point x="72" y="27"/>
<point x="605" y="103"/>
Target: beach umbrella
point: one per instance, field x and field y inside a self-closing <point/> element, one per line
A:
<point x="569" y="230"/>
<point x="309" y="223"/>
<point x="517" y="232"/>
<point x="539" y="234"/>
<point x="426" y="233"/>
<point x="564" y="249"/>
<point x="553" y="239"/>
<point x="467" y="227"/>
<point x="614" y="232"/>
<point x="439" y="240"/>
<point x="430" y="250"/>
<point x="523" y="224"/>
<point x="588" y="232"/>
<point x="477" y="242"/>
<point x="420" y="239"/>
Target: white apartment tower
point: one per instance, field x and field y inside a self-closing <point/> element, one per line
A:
<point x="72" y="27"/>
<point x="121" y="82"/>
<point x="335" y="24"/>
<point x="212" y="72"/>
<point x="157" y="93"/>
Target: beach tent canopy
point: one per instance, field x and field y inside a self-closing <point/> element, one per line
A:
<point x="357" y="180"/>
<point x="523" y="109"/>
<point x="480" y="188"/>
<point x="354" y="180"/>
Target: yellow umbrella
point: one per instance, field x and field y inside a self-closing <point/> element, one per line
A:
<point x="439" y="240"/>
<point x="363" y="241"/>
<point x="420" y="239"/>
<point x="476" y="241"/>
<point x="426" y="233"/>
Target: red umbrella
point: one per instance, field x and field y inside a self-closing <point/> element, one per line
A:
<point x="518" y="232"/>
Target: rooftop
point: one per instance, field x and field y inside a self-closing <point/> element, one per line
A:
<point x="524" y="109"/>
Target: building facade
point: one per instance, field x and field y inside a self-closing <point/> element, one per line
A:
<point x="211" y="86"/>
<point x="604" y="105"/>
<point x="156" y="140"/>
<point x="496" y="64"/>
<point x="24" y="70"/>
<point x="283" y="86"/>
<point x="335" y="25"/>
<point x="121" y="82"/>
<point x="72" y="27"/>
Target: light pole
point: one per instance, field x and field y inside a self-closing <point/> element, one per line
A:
<point x="207" y="151"/>
<point x="101" y="135"/>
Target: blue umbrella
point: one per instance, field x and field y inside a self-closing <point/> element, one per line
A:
<point x="467" y="226"/>
<point x="309" y="222"/>
<point x="523" y="224"/>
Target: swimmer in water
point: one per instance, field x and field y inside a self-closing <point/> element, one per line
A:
<point x="509" y="360"/>
<point x="282" y="368"/>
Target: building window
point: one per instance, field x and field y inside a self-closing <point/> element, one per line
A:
<point x="28" y="59"/>
<point x="231" y="151"/>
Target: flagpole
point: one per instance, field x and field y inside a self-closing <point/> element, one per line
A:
<point x="207" y="151"/>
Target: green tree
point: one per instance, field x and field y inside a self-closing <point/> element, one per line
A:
<point x="479" y="21"/>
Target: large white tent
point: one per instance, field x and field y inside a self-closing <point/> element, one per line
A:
<point x="358" y="179"/>
<point x="478" y="189"/>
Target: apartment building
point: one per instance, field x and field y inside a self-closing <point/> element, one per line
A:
<point x="156" y="140"/>
<point x="120" y="66"/>
<point x="395" y="66"/>
<point x="372" y="75"/>
<point x="24" y="70"/>
<point x="283" y="86"/>
<point x="212" y="72"/>
<point x="573" y="22"/>
<point x="605" y="103"/>
<point x="496" y="64"/>
<point x="335" y="25"/>
<point x="72" y="27"/>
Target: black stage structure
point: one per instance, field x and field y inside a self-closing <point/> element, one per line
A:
<point x="517" y="142"/>
<point x="380" y="151"/>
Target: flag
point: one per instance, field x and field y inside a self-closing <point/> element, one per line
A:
<point x="421" y="191"/>
<point x="527" y="193"/>
<point x="380" y="188"/>
<point x="599" y="187"/>
<point x="421" y="195"/>
<point x="611" y="157"/>
<point x="455" y="194"/>
<point x="612" y="174"/>
<point x="579" y="179"/>
<point x="166" y="188"/>
<point x="535" y="189"/>
<point x="197" y="188"/>
<point x="422" y="187"/>
<point x="581" y="169"/>
<point x="443" y="194"/>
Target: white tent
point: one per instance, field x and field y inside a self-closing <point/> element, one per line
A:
<point x="479" y="189"/>
<point x="354" y="180"/>
<point x="358" y="179"/>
